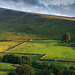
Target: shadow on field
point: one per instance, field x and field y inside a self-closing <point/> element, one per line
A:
<point x="57" y="44"/>
<point x="73" y="48"/>
<point x="44" y="41"/>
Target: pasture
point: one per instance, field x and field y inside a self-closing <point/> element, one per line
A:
<point x="50" y="47"/>
<point x="7" y="45"/>
<point x="63" y="64"/>
<point x="6" y="68"/>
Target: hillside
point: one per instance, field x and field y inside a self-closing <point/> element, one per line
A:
<point x="16" y="25"/>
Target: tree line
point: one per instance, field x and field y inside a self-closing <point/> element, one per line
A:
<point x="27" y="67"/>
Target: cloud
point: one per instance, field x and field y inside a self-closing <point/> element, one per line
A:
<point x="50" y="7"/>
<point x="64" y="2"/>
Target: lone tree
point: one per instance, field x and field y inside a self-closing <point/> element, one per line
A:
<point x="66" y="37"/>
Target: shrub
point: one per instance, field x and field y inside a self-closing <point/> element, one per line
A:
<point x="25" y="70"/>
<point x="69" y="72"/>
<point x="45" y="65"/>
<point x="28" y="59"/>
<point x="72" y="68"/>
<point x="11" y="59"/>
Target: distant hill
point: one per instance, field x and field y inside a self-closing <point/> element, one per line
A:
<point x="16" y="25"/>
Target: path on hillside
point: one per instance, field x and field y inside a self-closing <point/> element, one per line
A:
<point x="27" y="29"/>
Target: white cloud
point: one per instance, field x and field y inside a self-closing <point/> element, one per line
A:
<point x="50" y="7"/>
<point x="63" y="2"/>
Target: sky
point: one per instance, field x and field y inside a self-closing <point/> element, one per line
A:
<point x="50" y="7"/>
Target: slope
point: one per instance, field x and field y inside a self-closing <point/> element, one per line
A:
<point x="16" y="25"/>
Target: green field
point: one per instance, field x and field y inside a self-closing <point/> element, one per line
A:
<point x="4" y="72"/>
<point x="50" y="47"/>
<point x="1" y="63"/>
<point x="6" y="68"/>
<point x="8" y="45"/>
<point x="63" y="64"/>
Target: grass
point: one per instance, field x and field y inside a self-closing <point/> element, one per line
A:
<point x="21" y="26"/>
<point x="50" y="47"/>
<point x="1" y="63"/>
<point x="7" y="45"/>
<point x="71" y="44"/>
<point x="7" y="66"/>
<point x="62" y="64"/>
<point x="34" y="57"/>
<point x="4" y="68"/>
<point x="4" y="72"/>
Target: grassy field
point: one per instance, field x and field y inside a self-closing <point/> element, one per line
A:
<point x="6" y="68"/>
<point x="4" y="72"/>
<point x="63" y="64"/>
<point x="7" y="45"/>
<point x="34" y="57"/>
<point x="50" y="47"/>
<point x="1" y="63"/>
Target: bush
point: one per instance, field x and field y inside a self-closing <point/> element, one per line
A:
<point x="11" y="59"/>
<point x="37" y="64"/>
<point x="23" y="61"/>
<point x="45" y="65"/>
<point x="17" y="59"/>
<point x="28" y="59"/>
<point x="69" y="72"/>
<point x="72" y="68"/>
<point x="0" y="59"/>
<point x="25" y="70"/>
<point x="52" y="66"/>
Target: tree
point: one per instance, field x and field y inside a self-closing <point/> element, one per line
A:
<point x="52" y="66"/>
<point x="69" y="72"/>
<point x="45" y="65"/>
<point x="66" y="37"/>
<point x="25" y="70"/>
<point x="28" y="59"/>
<point x="72" y="68"/>
<point x="23" y="61"/>
<point x="11" y="59"/>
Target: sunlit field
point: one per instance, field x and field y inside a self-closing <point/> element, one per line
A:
<point x="7" y="45"/>
<point x="52" y="48"/>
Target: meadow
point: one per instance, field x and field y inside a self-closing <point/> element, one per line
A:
<point x="63" y="64"/>
<point x="52" y="48"/>
<point x="7" y="45"/>
<point x="6" y="68"/>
